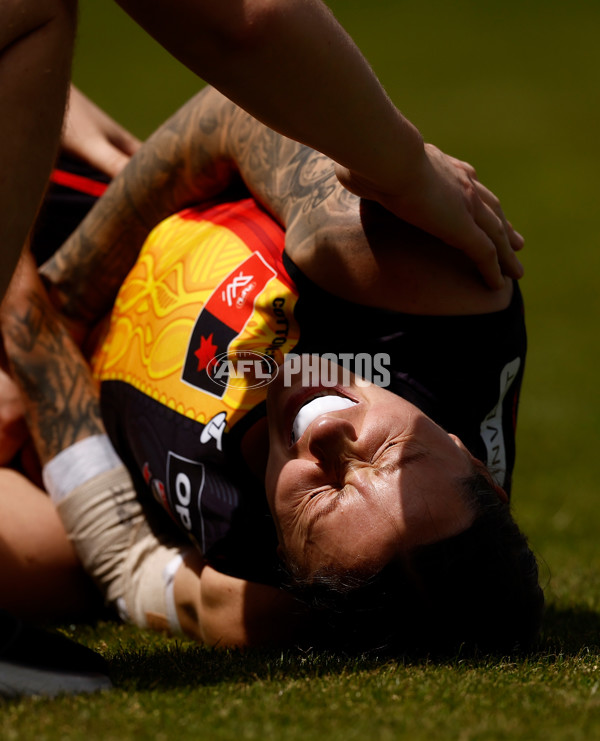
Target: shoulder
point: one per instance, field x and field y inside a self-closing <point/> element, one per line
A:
<point x="360" y="252"/>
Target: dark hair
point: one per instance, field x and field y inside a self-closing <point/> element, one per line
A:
<point x="478" y="589"/>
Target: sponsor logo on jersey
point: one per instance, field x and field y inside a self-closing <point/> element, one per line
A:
<point x="220" y="321"/>
<point x="491" y="430"/>
<point x="185" y="483"/>
<point x="214" y="429"/>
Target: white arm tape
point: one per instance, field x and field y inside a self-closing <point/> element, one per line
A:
<point x="77" y="464"/>
<point x="133" y="566"/>
<point x="169" y="578"/>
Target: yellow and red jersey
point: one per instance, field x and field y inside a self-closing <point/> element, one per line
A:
<point x="215" y="282"/>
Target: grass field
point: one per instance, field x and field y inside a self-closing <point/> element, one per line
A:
<point x="513" y="88"/>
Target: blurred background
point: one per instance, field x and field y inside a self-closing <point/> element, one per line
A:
<point x="512" y="87"/>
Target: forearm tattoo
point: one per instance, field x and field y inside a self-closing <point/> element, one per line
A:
<point x="207" y="149"/>
<point x="177" y="167"/>
<point x="60" y="395"/>
<point x="293" y="181"/>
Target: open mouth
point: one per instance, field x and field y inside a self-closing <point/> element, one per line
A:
<point x="316" y="406"/>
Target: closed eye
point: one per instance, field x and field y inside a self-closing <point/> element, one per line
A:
<point x="327" y="501"/>
<point x="397" y="459"/>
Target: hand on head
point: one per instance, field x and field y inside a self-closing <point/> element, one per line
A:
<point x="443" y="196"/>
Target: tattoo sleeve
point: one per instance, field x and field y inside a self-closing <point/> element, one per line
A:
<point x="207" y="148"/>
<point x="60" y="395"/>
<point x="295" y="183"/>
<point x="178" y="166"/>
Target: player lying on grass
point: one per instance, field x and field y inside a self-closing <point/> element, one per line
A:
<point x="374" y="498"/>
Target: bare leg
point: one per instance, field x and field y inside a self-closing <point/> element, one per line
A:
<point x="40" y="575"/>
<point x="36" y="46"/>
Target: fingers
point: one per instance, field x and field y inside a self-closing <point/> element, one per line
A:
<point x="106" y="155"/>
<point x="109" y="159"/>
<point x="490" y="218"/>
<point x="110" y="149"/>
<point x="124" y="141"/>
<point x="120" y="146"/>
<point x="492" y="253"/>
<point x="452" y="204"/>
<point x="517" y="241"/>
<point x="94" y="137"/>
<point x="482" y="231"/>
<point x="491" y="201"/>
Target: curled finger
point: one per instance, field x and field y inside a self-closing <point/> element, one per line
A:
<point x="498" y="231"/>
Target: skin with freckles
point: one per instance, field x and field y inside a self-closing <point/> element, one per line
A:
<point x="363" y="484"/>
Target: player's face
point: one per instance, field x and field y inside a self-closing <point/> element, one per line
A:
<point x="359" y="475"/>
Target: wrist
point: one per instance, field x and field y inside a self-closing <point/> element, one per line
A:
<point x="395" y="165"/>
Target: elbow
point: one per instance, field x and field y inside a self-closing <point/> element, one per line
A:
<point x="20" y="20"/>
<point x="249" y="25"/>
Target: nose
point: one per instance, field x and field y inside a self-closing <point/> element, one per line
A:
<point x="330" y="436"/>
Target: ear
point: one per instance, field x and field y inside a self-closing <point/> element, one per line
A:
<point x="500" y="492"/>
<point x="502" y="495"/>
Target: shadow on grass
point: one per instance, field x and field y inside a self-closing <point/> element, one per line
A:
<point x="178" y="665"/>
<point x="567" y="633"/>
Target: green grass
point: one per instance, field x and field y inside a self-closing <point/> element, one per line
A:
<point x="167" y="689"/>
<point x="512" y="87"/>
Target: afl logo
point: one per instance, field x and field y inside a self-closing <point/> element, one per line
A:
<point x="243" y="369"/>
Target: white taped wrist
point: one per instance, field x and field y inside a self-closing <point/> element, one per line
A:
<point x="80" y="462"/>
<point x="133" y="567"/>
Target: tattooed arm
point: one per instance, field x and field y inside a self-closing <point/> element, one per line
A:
<point x="107" y="526"/>
<point x="207" y="148"/>
<point x="352" y="247"/>
<point x="59" y="396"/>
<point x="173" y="169"/>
